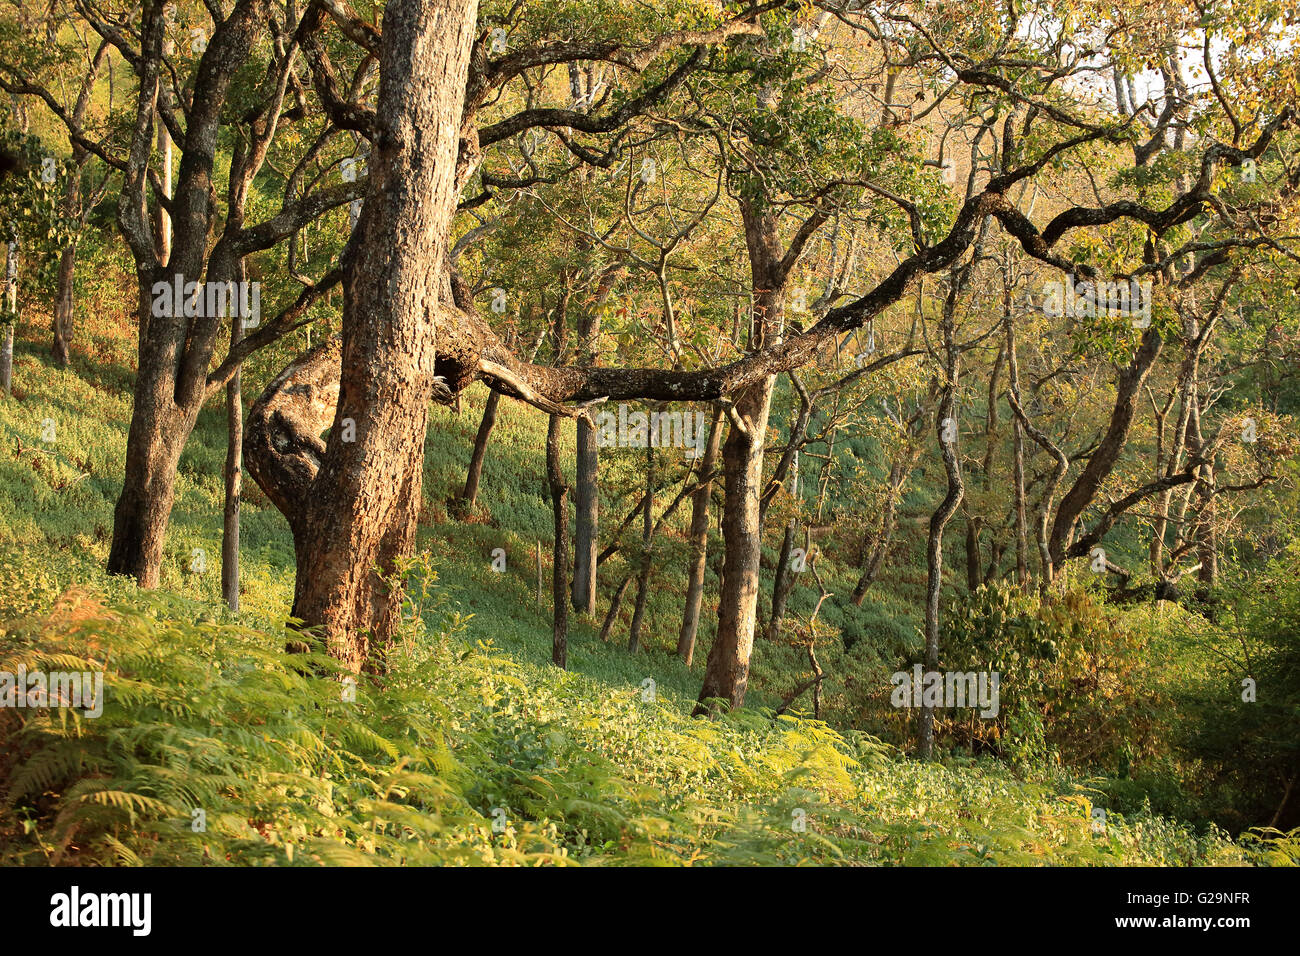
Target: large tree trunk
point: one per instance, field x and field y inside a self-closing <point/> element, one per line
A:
<point x="726" y="675"/>
<point x="361" y="513"/>
<point x="699" y="539"/>
<point x="160" y="425"/>
<point x="174" y="351"/>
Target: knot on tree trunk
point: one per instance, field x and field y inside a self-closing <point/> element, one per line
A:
<point x="282" y="444"/>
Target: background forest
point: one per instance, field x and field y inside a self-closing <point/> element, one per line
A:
<point x="632" y="391"/>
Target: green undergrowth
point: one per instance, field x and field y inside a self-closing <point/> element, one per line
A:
<point x="463" y="755"/>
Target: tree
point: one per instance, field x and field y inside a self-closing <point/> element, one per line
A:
<point x="336" y="584"/>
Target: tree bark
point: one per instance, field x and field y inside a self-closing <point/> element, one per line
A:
<point x="159" y="428"/>
<point x="560" y="551"/>
<point x="726" y="674"/>
<point x="934" y="547"/>
<point x="586" y="479"/>
<point x="234" y="475"/>
<point x="11" y="306"/>
<point x="699" y="542"/>
<point x="1102" y="461"/>
<point x="64" y="318"/>
<point x="469" y="494"/>
<point x="615" y="603"/>
<point x="361" y="512"/>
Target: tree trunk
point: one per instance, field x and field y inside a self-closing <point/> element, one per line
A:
<point x="465" y="503"/>
<point x="615" y="603"/>
<point x="361" y="513"/>
<point x="726" y="675"/>
<point x="948" y="432"/>
<point x="64" y="319"/>
<point x="647" y="562"/>
<point x="1018" y="480"/>
<point x="174" y="351"/>
<point x="159" y="429"/>
<point x="560" y="551"/>
<point x="699" y="540"/>
<point x="234" y="478"/>
<point x="11" y="306"/>
<point x="7" y="360"/>
<point x="1102" y="461"/>
<point x="586" y="481"/>
<point x="934" y="550"/>
<point x="783" y="581"/>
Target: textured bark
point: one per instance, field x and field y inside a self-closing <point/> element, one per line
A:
<point x="361" y="516"/>
<point x="726" y="675"/>
<point x="174" y="352"/>
<point x="154" y="445"/>
<point x="699" y="541"/>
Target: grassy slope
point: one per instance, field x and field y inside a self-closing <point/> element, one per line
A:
<point x="590" y="769"/>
